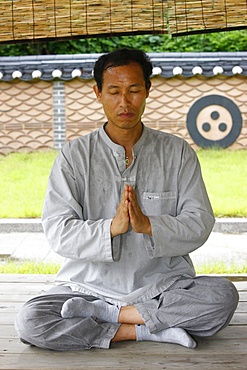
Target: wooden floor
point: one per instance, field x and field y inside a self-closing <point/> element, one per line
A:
<point x="227" y="350"/>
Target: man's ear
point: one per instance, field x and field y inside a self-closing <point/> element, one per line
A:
<point x="148" y="89"/>
<point x="97" y="93"/>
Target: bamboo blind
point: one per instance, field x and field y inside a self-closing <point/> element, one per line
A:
<point x="26" y="20"/>
<point x="51" y="19"/>
<point x="193" y="16"/>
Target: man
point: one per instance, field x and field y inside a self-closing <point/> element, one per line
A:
<point x="125" y="205"/>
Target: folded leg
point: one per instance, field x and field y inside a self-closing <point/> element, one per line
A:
<point x="39" y="323"/>
<point x="202" y="306"/>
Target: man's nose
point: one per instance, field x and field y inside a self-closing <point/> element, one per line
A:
<point x="124" y="102"/>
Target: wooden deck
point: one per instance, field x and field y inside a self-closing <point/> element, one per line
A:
<point x="227" y="350"/>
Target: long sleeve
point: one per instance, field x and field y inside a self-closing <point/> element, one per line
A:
<point x="66" y="230"/>
<point x="190" y="226"/>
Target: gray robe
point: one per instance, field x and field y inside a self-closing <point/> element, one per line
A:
<point x="84" y="190"/>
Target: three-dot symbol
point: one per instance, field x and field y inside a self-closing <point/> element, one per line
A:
<point x="214" y="120"/>
<point x="214" y="115"/>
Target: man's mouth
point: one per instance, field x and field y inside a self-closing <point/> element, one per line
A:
<point x="126" y="114"/>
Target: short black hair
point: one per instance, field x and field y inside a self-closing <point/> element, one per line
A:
<point x="119" y="58"/>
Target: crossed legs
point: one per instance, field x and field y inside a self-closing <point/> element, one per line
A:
<point x="128" y="317"/>
<point x="61" y="320"/>
<point x="133" y="328"/>
<point x="132" y="325"/>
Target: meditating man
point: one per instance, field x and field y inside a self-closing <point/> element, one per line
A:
<point x="125" y="205"/>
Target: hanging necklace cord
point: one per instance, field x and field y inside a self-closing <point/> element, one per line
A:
<point x="127" y="159"/>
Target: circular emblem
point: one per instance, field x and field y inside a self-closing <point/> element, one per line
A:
<point x="214" y="121"/>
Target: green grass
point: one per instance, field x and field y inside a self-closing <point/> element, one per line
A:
<point x="31" y="267"/>
<point x="24" y="179"/>
<point x="225" y="174"/>
<point x="28" y="267"/>
<point x="23" y="183"/>
<point x="221" y="268"/>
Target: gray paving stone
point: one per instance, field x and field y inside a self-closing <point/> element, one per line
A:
<point x="228" y="248"/>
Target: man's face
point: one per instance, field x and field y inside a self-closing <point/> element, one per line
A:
<point x="123" y="96"/>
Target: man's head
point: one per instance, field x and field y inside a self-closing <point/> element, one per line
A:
<point x="122" y="57"/>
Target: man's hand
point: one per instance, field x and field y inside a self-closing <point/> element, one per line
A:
<point x="140" y="223"/>
<point x="129" y="212"/>
<point x="120" y="222"/>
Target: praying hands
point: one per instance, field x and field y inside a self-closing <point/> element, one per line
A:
<point x="130" y="213"/>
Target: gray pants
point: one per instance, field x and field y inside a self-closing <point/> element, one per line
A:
<point x="202" y="306"/>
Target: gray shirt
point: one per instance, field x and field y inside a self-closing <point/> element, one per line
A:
<point x="84" y="189"/>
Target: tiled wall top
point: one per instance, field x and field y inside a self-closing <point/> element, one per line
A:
<point x="167" y="65"/>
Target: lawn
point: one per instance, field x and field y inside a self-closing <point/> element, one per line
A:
<point x="23" y="183"/>
<point x="225" y="174"/>
<point x="32" y="267"/>
<point x="24" y="178"/>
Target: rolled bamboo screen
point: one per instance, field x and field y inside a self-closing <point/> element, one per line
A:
<point x="193" y="16"/>
<point x="51" y="19"/>
<point x="27" y="20"/>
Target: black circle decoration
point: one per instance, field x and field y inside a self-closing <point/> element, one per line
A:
<point x="214" y="121"/>
<point x="206" y="126"/>
<point x="215" y="115"/>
